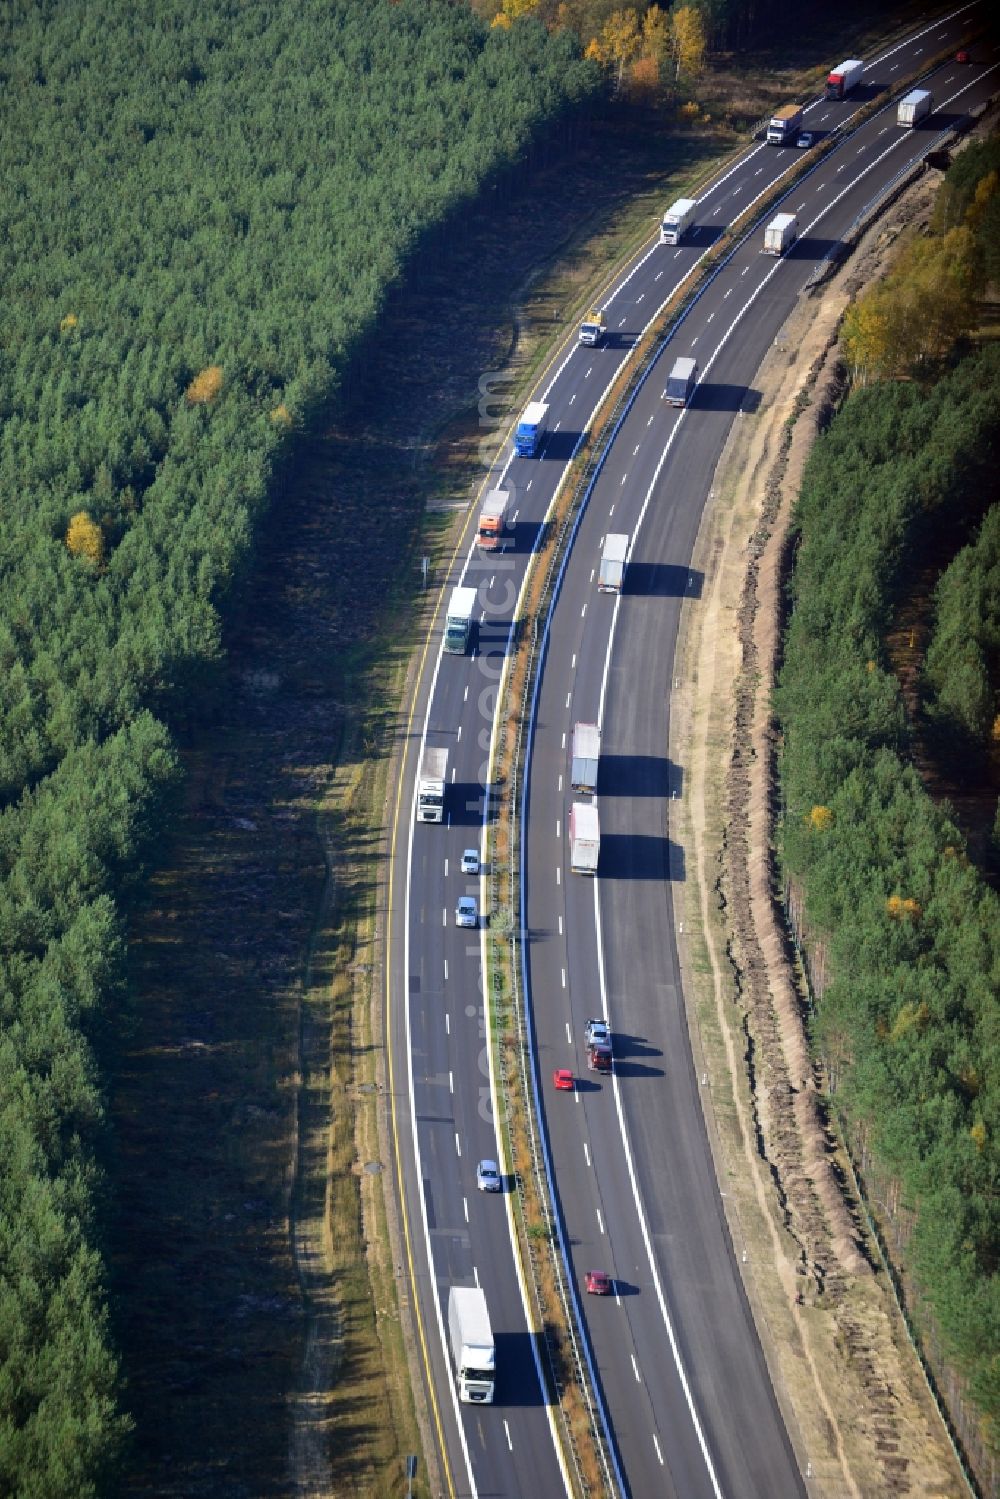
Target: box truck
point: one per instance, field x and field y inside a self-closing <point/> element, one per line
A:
<point x="845" y="76"/>
<point x="584" y="838"/>
<point x="613" y="560"/>
<point x="531" y="429"/>
<point x="784" y="125"/>
<point x="430" y="785"/>
<point x="458" y="620"/>
<point x="780" y="233"/>
<point x="495" y="524"/>
<point x="678" y="217"/>
<point x="913" y="106"/>
<point x="681" y="382"/>
<point x="586" y="753"/>
<point x="472" y="1345"/>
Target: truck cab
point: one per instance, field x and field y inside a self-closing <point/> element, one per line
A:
<point x="458" y="621"/>
<point x="677" y="220"/>
<point x="593" y="329"/>
<point x="784" y="125"/>
<point x="495" y="523"/>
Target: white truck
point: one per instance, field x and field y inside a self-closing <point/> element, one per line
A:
<point x="458" y="621"/>
<point x="613" y="560"/>
<point x="678" y="217"/>
<point x="593" y="329"/>
<point x="784" y="125"/>
<point x="495" y="523"/>
<point x="430" y="785"/>
<point x="913" y="106"/>
<point x="681" y="382"/>
<point x="845" y="76"/>
<point x="586" y="754"/>
<point x="472" y="1345"/>
<point x="584" y="838"/>
<point x="780" y="233"/>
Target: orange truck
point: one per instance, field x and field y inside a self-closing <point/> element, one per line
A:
<point x="495" y="523"/>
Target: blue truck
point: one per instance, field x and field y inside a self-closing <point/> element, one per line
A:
<point x="531" y="429"/>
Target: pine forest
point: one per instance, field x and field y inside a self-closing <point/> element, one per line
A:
<point x="201" y="211"/>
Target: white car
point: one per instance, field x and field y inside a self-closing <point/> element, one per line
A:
<point x="466" y="912"/>
<point x="805" y="139"/>
<point x="470" y="861"/>
<point x="598" y="1033"/>
<point x="488" y="1178"/>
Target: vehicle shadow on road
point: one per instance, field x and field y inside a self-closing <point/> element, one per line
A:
<point x="628" y="1047"/>
<point x="516" y="1378"/>
<point x="639" y="775"/>
<point x="496" y="637"/>
<point x="560" y="446"/>
<point x="464" y="805"/>
<point x="702" y="235"/>
<point x="640" y="856"/>
<point x="527" y="535"/>
<point x="587" y="1084"/>
<point x="813" y="248"/>
<point x="631" y="1053"/>
<point x="717" y="395"/>
<point x="663" y="580"/>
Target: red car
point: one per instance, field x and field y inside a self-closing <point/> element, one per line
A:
<point x="598" y="1283"/>
<point x="563" y="1078"/>
<point x="962" y="56"/>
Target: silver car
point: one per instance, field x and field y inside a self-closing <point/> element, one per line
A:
<point x="466" y="912"/>
<point x="488" y="1178"/>
<point x="470" y="861"/>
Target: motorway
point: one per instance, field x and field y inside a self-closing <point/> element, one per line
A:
<point x="689" y="1402"/>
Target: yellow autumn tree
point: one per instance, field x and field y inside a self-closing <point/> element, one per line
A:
<point x="985" y="189"/>
<point x="84" y="538"/>
<point x="934" y="285"/>
<point x="617" y="44"/>
<point x="646" y="71"/>
<point x="656" y="35"/>
<point x="687" y="43"/>
<point x="918" y="312"/>
<point x="820" y="818"/>
<point x="866" y="337"/>
<point x="205" y="387"/>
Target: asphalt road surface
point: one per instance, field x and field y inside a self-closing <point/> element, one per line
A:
<point x="688" y="1399"/>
